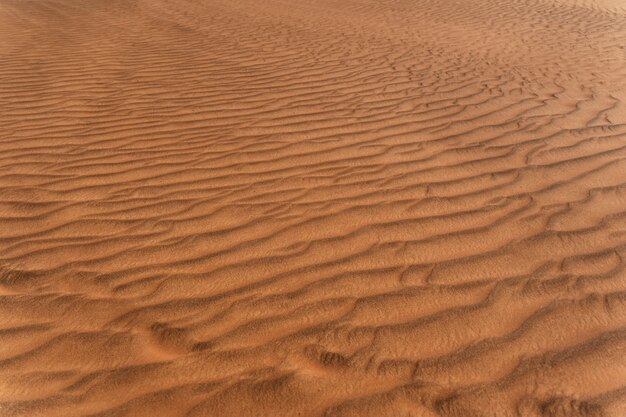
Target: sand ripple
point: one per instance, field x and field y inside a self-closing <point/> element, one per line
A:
<point x="313" y="208"/>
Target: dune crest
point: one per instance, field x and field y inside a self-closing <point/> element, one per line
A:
<point x="313" y="208"/>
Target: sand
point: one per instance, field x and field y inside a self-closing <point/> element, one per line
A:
<point x="366" y="208"/>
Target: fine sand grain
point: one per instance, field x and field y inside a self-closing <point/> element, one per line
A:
<point x="338" y="208"/>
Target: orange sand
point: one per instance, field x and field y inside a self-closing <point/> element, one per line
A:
<point x="366" y="208"/>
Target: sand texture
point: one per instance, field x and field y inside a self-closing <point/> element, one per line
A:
<point x="314" y="208"/>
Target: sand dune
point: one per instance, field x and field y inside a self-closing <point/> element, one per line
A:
<point x="313" y="208"/>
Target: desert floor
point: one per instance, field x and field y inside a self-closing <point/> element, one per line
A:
<point x="339" y="208"/>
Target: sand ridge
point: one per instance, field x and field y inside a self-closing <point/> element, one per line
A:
<point x="313" y="208"/>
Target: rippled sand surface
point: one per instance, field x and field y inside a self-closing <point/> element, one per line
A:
<point x="338" y="208"/>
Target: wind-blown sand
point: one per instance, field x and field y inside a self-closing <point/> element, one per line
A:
<point x="313" y="208"/>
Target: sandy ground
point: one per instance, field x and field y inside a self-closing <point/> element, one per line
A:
<point x="365" y="208"/>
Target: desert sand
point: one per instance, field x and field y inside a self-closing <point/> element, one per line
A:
<point x="337" y="208"/>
